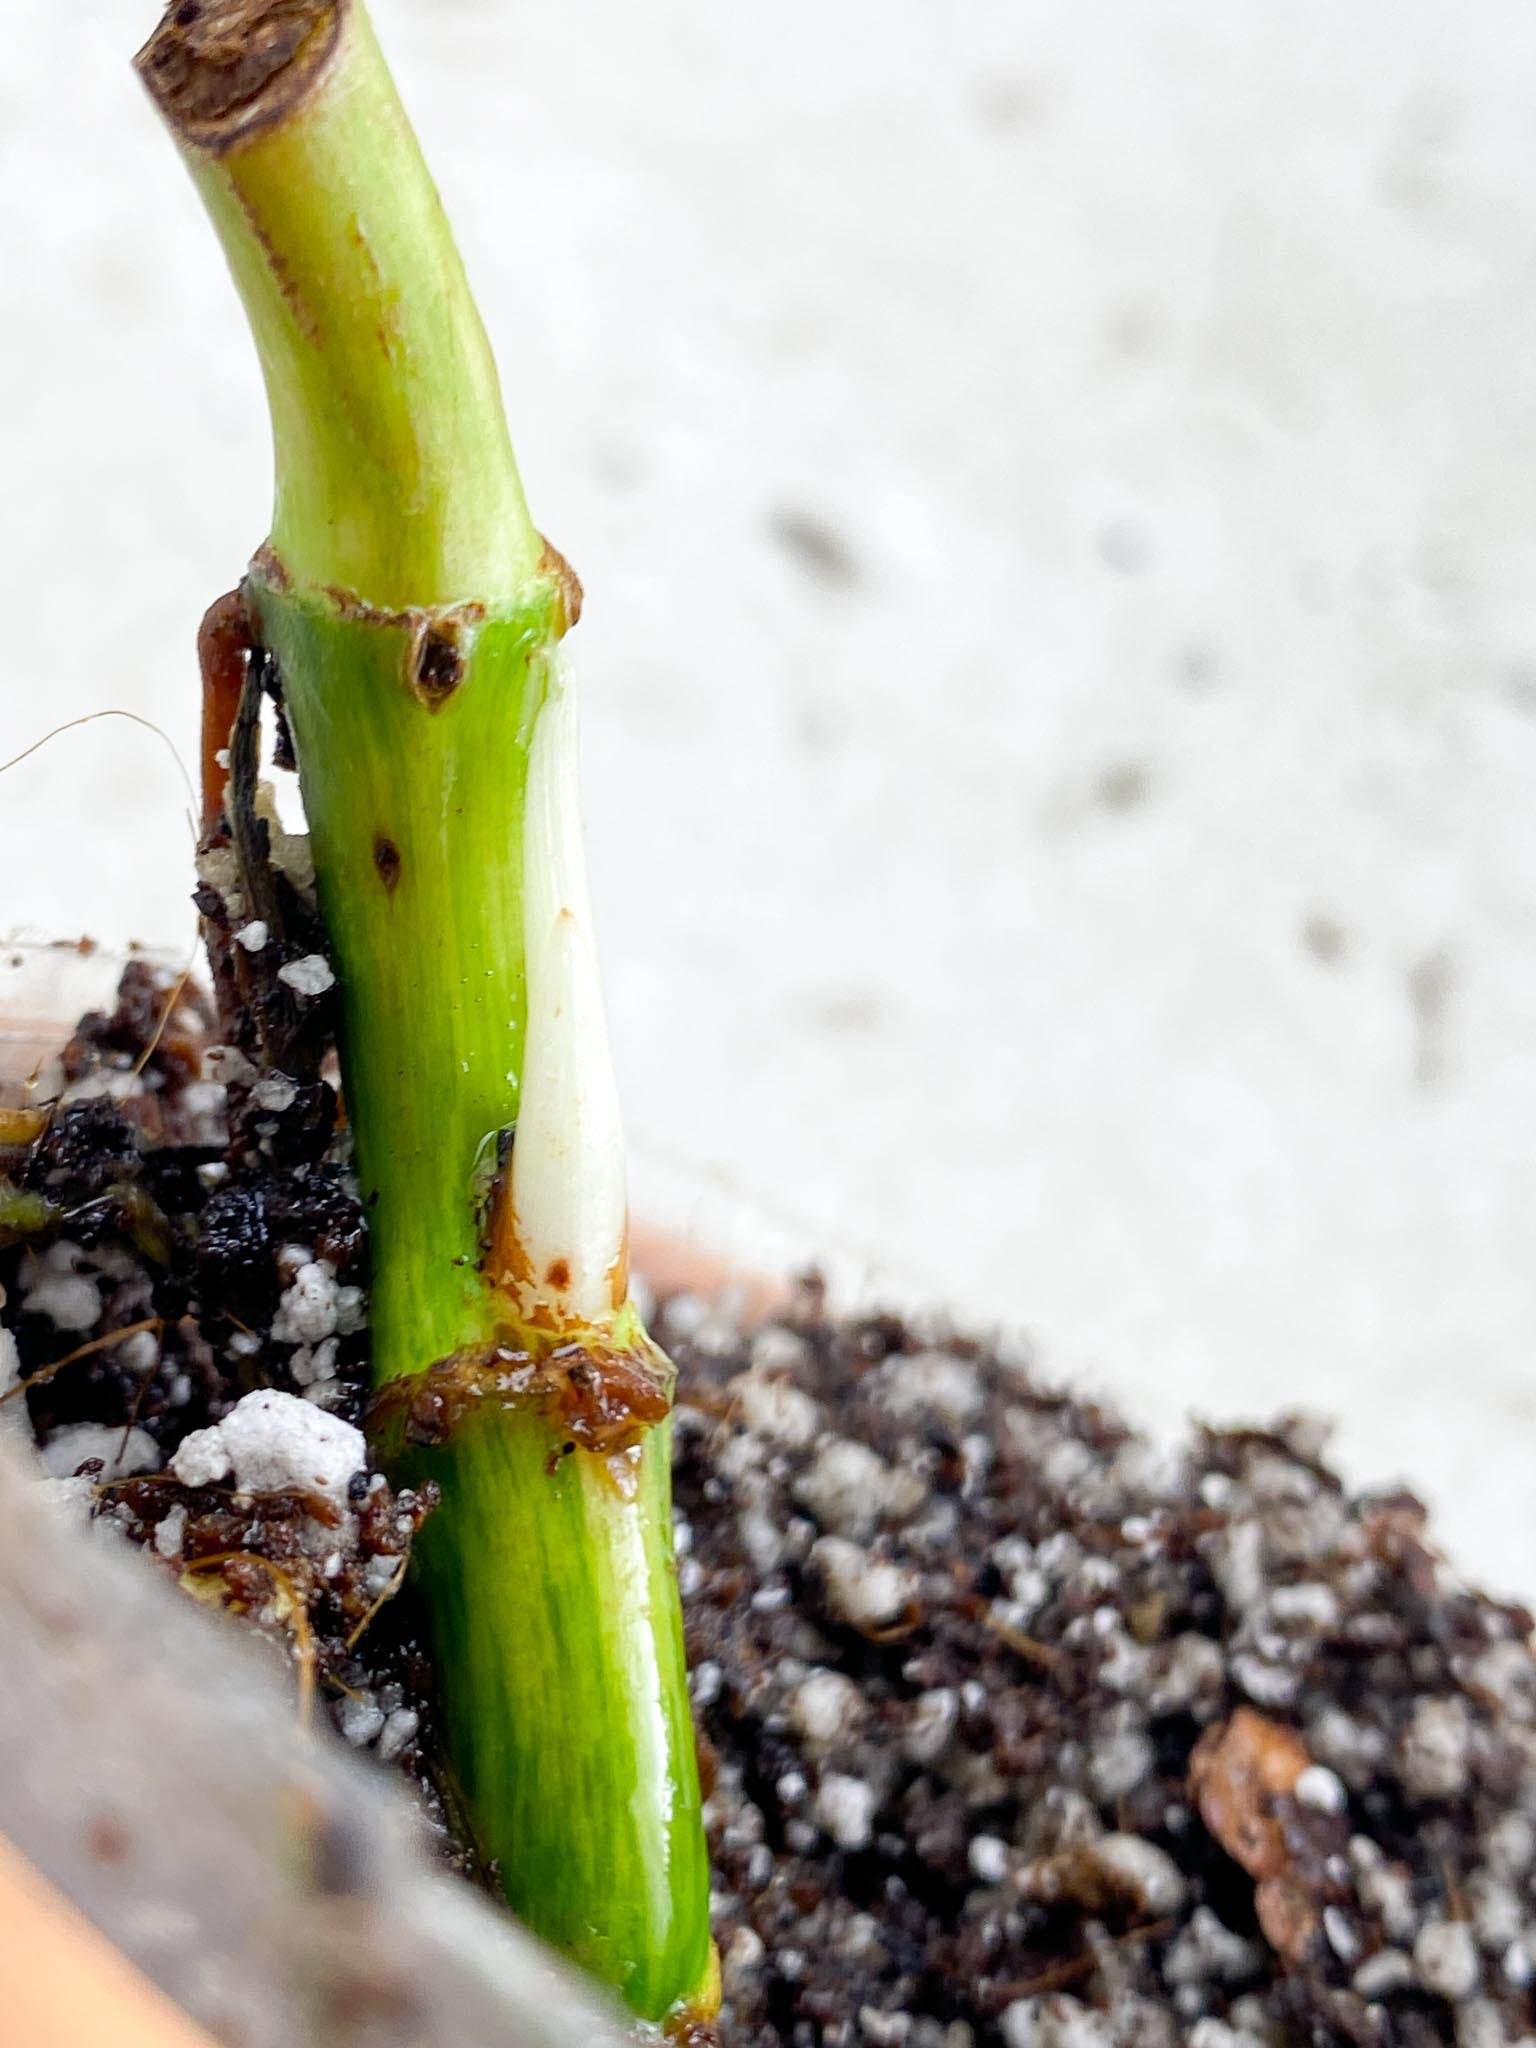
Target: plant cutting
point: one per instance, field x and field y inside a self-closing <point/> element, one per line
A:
<point x="411" y="616"/>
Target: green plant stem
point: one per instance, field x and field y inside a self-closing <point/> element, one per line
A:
<point x="413" y="612"/>
<point x="394" y="472"/>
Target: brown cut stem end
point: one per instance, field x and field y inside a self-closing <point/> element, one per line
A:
<point x="221" y="71"/>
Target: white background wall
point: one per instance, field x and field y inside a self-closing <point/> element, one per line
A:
<point x="1057" y="498"/>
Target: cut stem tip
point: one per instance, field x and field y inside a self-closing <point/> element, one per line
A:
<point x="222" y="70"/>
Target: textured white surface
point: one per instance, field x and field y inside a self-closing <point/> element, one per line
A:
<point x="1055" y="488"/>
<point x="273" y="1442"/>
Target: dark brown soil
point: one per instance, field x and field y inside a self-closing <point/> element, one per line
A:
<point x="1022" y="1728"/>
<point x="1016" y="1727"/>
<point x="182" y="1243"/>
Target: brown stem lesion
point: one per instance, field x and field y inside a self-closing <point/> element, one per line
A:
<point x="222" y="70"/>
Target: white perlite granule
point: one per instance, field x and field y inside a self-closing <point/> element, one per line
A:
<point x="169" y="1532"/>
<point x="862" y="1590"/>
<point x="1151" y="1873"/>
<point x="988" y="1858"/>
<point x="1445" y="1958"/>
<point x="123" y="1452"/>
<point x="274" y="1443"/>
<point x="931" y="1380"/>
<point x="930" y="1725"/>
<point x="1354" y="1749"/>
<point x="311" y="1368"/>
<point x="360" y="1720"/>
<point x="825" y="1705"/>
<point x="1184" y="1671"/>
<point x="1434" y="1749"/>
<point x="307" y="1312"/>
<point x="845" y="1807"/>
<point x="309" y="975"/>
<point x="1208" y="1951"/>
<point x="1210" y="2033"/>
<point x="71" y="1499"/>
<point x="1021" y="2024"/>
<point x="1511" y="1846"/>
<point x="1384" y="1891"/>
<point x="1117" y="1764"/>
<point x="845" y="1488"/>
<point x="289" y="852"/>
<point x="13" y="1413"/>
<point x="1496" y="1910"/>
<point x="1480" y="2024"/>
<point x="760" y="1539"/>
<point x="1387" y="1971"/>
<point x="744" y="1952"/>
<point x="226" y="1063"/>
<point x="219" y="868"/>
<point x="776" y="1409"/>
<point x="1054" y="2023"/>
<point x="398" y="1730"/>
<point x="1313" y="1604"/>
<point x="253" y="936"/>
<point x="1028" y="1586"/>
<point x="313" y="1307"/>
<point x="1319" y="1788"/>
<point x="139" y="1354"/>
<point x="884" y="2029"/>
<point x="775" y="1349"/>
<point x="53" y="1286"/>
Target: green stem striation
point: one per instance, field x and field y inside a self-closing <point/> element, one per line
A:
<point x="413" y="612"/>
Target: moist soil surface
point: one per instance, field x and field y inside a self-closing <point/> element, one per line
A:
<point x="1015" y="1726"/>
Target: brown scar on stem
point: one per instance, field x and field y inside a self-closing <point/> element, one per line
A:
<point x="267" y="567"/>
<point x="601" y="1397"/>
<point x="224" y="642"/>
<point x="282" y="275"/>
<point x="386" y="328"/>
<point x="386" y="860"/>
<point x="436" y="663"/>
<point x="567" y="585"/>
<point x="508" y="1267"/>
<point x="437" y="640"/>
<point x="223" y="71"/>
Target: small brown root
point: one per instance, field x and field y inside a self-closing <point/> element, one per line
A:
<point x="223" y="648"/>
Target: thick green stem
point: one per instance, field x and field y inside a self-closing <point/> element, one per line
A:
<point x="414" y="614"/>
<point x="395" y="479"/>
